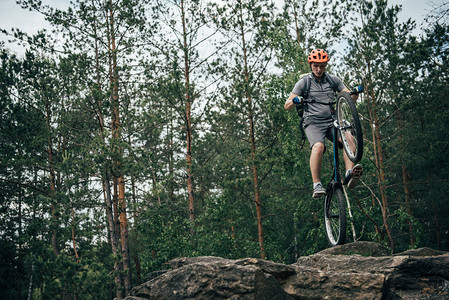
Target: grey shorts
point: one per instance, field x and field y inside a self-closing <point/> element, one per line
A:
<point x="317" y="132"/>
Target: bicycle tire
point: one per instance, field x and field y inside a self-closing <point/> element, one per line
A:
<point x="349" y="127"/>
<point x="335" y="216"/>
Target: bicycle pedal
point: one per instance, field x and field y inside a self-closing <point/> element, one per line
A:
<point x="357" y="171"/>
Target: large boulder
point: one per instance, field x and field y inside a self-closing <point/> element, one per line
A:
<point x="216" y="278"/>
<point x="360" y="270"/>
<point x="365" y="275"/>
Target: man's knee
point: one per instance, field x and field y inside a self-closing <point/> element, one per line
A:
<point x="318" y="147"/>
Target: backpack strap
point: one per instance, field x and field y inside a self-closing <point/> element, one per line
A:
<point x="306" y="90"/>
<point x="331" y="82"/>
<point x="300" y="106"/>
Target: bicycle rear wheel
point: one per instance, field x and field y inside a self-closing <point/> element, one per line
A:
<point x="349" y="126"/>
<point x="335" y="216"/>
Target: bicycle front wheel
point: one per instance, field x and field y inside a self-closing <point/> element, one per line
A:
<point x="335" y="216"/>
<point x="349" y="126"/>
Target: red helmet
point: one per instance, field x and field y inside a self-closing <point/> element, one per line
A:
<point x="318" y="56"/>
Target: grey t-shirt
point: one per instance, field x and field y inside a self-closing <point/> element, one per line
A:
<point x="321" y="93"/>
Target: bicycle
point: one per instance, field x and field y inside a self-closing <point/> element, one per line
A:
<point x="347" y="127"/>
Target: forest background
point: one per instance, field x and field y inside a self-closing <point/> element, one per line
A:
<point x="133" y="132"/>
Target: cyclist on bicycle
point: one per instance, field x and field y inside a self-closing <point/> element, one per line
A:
<point x="318" y="117"/>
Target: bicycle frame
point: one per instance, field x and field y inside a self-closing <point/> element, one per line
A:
<point x="335" y="181"/>
<point x="336" y="176"/>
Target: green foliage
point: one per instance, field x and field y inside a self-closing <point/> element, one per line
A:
<point x="164" y="230"/>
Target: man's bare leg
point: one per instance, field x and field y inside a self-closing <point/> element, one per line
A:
<point x="348" y="163"/>
<point x="316" y="158"/>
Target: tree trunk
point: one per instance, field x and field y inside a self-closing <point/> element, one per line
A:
<point x="171" y="164"/>
<point x="124" y="236"/>
<point x="73" y="235"/>
<point x="188" y="120"/>
<point x="116" y="135"/>
<point x="105" y="178"/>
<point x="20" y="237"/>
<point x="30" y="286"/>
<point x="253" y="143"/>
<point x="435" y="210"/>
<point x="381" y="177"/>
<point x="54" y="218"/>
<point x="138" y="270"/>
<point x="295" y="15"/>
<point x="112" y="235"/>
<point x="115" y="204"/>
<point x="233" y="234"/>
<point x="136" y="221"/>
<point x="407" y="197"/>
<point x="405" y="186"/>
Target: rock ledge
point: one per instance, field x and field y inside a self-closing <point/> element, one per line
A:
<point x="360" y="270"/>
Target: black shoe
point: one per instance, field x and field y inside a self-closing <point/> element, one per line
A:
<point x="353" y="176"/>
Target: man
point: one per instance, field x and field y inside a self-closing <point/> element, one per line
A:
<point x="319" y="116"/>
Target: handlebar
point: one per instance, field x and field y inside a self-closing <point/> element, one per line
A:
<point x="355" y="91"/>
